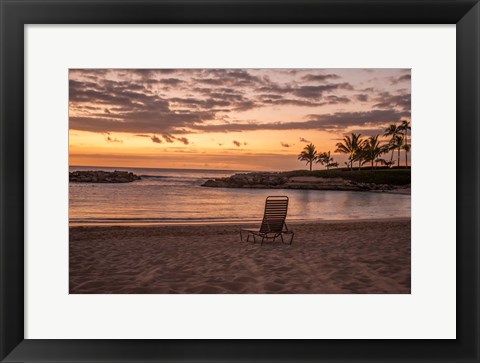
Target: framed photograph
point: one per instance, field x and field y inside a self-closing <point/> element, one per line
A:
<point x="291" y="181"/>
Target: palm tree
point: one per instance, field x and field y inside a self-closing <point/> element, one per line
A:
<point x="350" y="146"/>
<point x="404" y="127"/>
<point x="326" y="159"/>
<point x="383" y="162"/>
<point x="372" y="150"/>
<point x="396" y="139"/>
<point x="309" y="154"/>
<point x="333" y="164"/>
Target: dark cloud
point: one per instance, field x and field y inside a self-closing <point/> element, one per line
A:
<point x="228" y="77"/>
<point x="210" y="81"/>
<point x="156" y="139"/>
<point x="168" y="138"/>
<point x="342" y="120"/>
<point x="284" y="144"/>
<point x="183" y="140"/>
<point x="325" y="122"/>
<point x="330" y="100"/>
<point x="318" y="91"/>
<point x="403" y="78"/>
<point x="245" y="105"/>
<point x="110" y="139"/>
<point x="237" y="143"/>
<point x="171" y="81"/>
<point x="361" y="97"/>
<point x="304" y="140"/>
<point x="199" y="103"/>
<point x="102" y="103"/>
<point x="320" y="77"/>
<point x="386" y="100"/>
<point x="149" y="73"/>
<point x="307" y="92"/>
<point x="335" y="100"/>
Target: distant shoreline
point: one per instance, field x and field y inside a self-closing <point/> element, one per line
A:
<point x="382" y="180"/>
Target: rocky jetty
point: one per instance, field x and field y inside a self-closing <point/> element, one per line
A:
<point x="284" y="181"/>
<point x="102" y="176"/>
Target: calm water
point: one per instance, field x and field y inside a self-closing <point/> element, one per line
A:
<point x="170" y="195"/>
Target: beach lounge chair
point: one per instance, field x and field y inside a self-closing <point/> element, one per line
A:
<point x="273" y="223"/>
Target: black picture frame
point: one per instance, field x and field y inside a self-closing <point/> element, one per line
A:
<point x="15" y="14"/>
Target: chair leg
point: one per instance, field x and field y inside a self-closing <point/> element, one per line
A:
<point x="281" y="236"/>
<point x="263" y="238"/>
<point x="291" y="239"/>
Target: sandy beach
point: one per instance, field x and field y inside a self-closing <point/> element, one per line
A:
<point x="336" y="257"/>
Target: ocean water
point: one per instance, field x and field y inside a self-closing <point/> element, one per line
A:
<point x="176" y="195"/>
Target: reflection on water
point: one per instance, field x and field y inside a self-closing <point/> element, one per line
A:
<point x="178" y="196"/>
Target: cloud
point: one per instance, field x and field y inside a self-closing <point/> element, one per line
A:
<point x="304" y="140"/>
<point x="237" y="143"/>
<point x="228" y="77"/>
<point x="324" y="122"/>
<point x="403" y="78"/>
<point x="334" y="100"/>
<point x="109" y="139"/>
<point x="306" y="92"/>
<point x="168" y="138"/>
<point x="284" y="144"/>
<point x="156" y="139"/>
<point x="183" y="140"/>
<point x="362" y="97"/>
<point x="385" y="100"/>
<point x="200" y="100"/>
<point x="320" y="77"/>
<point x="171" y="81"/>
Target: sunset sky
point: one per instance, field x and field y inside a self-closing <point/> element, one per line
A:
<point x="239" y="119"/>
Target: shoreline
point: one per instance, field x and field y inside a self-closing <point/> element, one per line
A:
<point x="231" y="223"/>
<point x="381" y="181"/>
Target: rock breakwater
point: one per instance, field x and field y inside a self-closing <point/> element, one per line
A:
<point x="97" y="176"/>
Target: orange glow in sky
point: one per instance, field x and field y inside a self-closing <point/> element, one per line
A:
<point x="238" y="119"/>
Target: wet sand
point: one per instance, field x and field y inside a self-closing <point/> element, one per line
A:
<point x="326" y="257"/>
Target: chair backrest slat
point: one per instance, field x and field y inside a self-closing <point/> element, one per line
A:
<point x="276" y="208"/>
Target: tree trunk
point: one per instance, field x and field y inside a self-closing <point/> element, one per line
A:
<point x="310" y="166"/>
<point x="372" y="164"/>
<point x="398" y="157"/>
